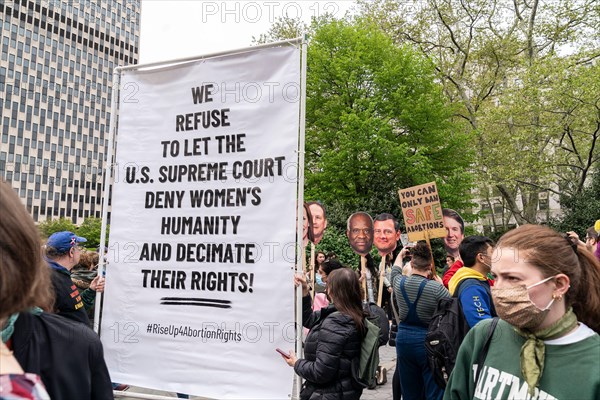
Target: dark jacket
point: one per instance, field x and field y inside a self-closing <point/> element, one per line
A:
<point x="331" y="346"/>
<point x="69" y="302"/>
<point x="82" y="279"/>
<point x="66" y="355"/>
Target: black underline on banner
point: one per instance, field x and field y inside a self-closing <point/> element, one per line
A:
<point x="195" y="299"/>
<point x="193" y="303"/>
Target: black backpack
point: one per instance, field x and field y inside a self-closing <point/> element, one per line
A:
<point x="446" y="331"/>
<point x="378" y="316"/>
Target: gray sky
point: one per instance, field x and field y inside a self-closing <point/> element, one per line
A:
<point x="175" y="28"/>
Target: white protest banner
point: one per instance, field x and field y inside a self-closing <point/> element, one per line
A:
<point x="199" y="289"/>
<point x="422" y="212"/>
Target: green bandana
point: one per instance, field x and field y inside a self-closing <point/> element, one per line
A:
<point x="9" y="327"/>
<point x="533" y="351"/>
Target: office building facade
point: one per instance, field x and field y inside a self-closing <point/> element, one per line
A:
<point x="56" y="69"/>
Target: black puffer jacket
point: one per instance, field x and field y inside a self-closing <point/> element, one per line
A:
<point x="331" y="346"/>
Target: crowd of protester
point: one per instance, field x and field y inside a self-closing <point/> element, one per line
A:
<point x="542" y="287"/>
<point x="531" y="301"/>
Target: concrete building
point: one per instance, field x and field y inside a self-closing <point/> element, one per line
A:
<point x="56" y="72"/>
<point x="497" y="217"/>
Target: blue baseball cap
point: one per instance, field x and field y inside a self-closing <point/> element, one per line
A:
<point x="64" y="241"/>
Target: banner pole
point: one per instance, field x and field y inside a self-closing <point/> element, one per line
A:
<point x="363" y="272"/>
<point x="381" y="276"/>
<point x="301" y="252"/>
<point x="311" y="267"/>
<point x="108" y="180"/>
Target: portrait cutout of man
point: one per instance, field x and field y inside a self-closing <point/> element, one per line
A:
<point x="307" y="229"/>
<point x="386" y="233"/>
<point x="360" y="233"/>
<point x="455" y="232"/>
<point x="319" y="220"/>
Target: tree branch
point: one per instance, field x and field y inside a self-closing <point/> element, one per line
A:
<point x="537" y="186"/>
<point x="530" y="45"/>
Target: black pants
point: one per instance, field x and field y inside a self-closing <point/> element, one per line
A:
<point x="396" y="387"/>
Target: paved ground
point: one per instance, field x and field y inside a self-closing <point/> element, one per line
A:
<point x="387" y="357"/>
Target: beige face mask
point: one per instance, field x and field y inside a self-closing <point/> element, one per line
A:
<point x="515" y="307"/>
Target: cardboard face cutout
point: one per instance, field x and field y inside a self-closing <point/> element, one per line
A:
<point x="319" y="220"/>
<point x="455" y="228"/>
<point x="307" y="229"/>
<point x="385" y="236"/>
<point x="360" y="233"/>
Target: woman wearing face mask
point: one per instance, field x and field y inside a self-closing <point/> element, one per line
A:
<point x="319" y="260"/>
<point x="323" y="272"/>
<point x="546" y="345"/>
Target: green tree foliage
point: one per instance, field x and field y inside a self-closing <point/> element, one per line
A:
<point x="91" y="229"/>
<point x="376" y="121"/>
<point x="335" y="240"/>
<point x="581" y="210"/>
<point x="523" y="75"/>
<point x="283" y="28"/>
<point x="547" y="125"/>
<point x="49" y="227"/>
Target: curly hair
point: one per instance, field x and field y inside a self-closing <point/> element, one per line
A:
<point x="88" y="261"/>
<point x="421" y="256"/>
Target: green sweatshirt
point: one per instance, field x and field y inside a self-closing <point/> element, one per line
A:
<point x="571" y="371"/>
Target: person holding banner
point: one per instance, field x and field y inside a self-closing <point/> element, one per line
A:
<point x="417" y="297"/>
<point x="63" y="253"/>
<point x="67" y="356"/>
<point x="334" y="341"/>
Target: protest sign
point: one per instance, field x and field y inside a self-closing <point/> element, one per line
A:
<point x="203" y="226"/>
<point x="422" y="212"/>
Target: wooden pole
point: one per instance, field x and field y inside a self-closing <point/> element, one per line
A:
<point x="433" y="271"/>
<point x="363" y="272"/>
<point x="304" y="261"/>
<point x="312" y="270"/>
<point x="381" y="277"/>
